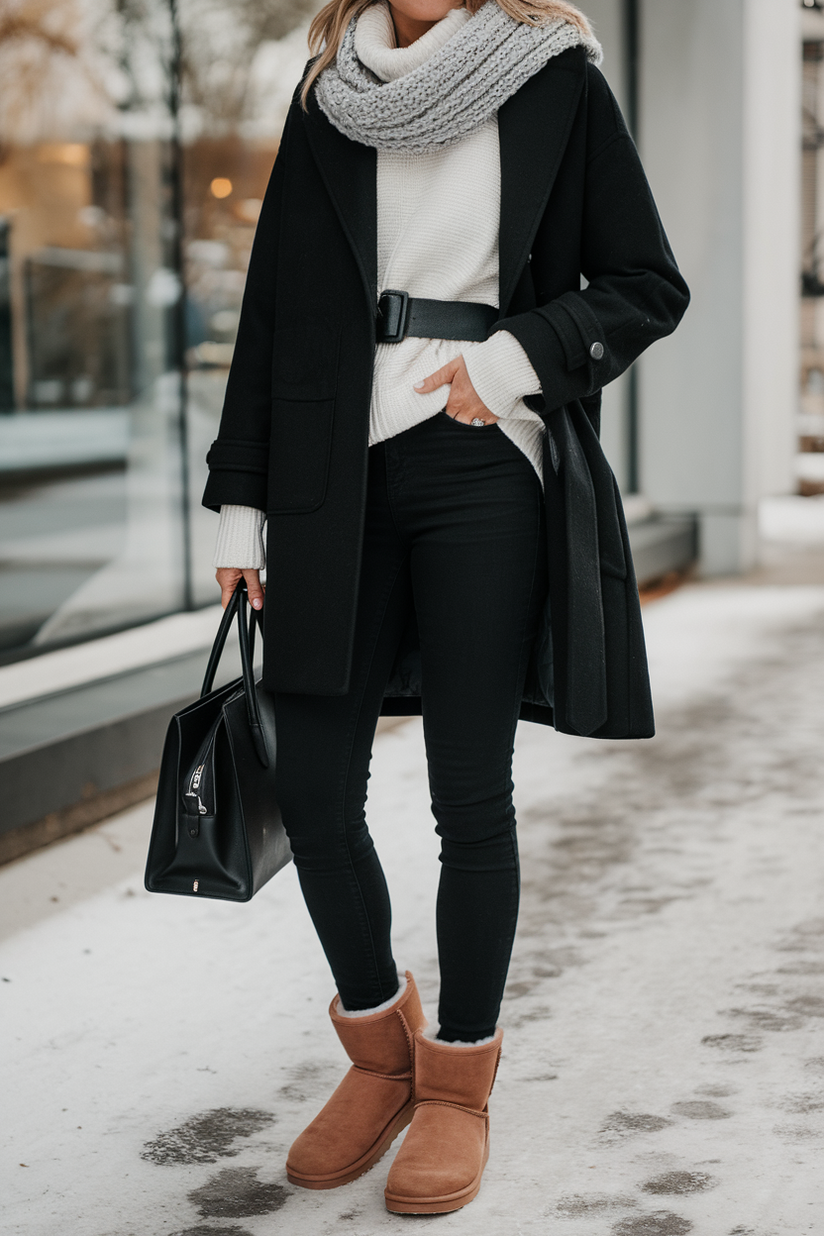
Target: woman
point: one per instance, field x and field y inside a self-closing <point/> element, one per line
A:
<point x="413" y="405"/>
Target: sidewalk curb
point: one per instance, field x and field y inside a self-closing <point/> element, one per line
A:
<point x="19" y="842"/>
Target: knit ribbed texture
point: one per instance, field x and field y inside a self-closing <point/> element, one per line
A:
<point x="457" y="89"/>
<point x="374" y="38"/>
<point x="240" y="538"/>
<point x="438" y="221"/>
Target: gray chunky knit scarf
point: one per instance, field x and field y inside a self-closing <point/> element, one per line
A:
<point x="451" y="94"/>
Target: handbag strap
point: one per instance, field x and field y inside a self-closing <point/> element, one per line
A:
<point x="247" y="644"/>
<point x="220" y="640"/>
<point x="238" y="606"/>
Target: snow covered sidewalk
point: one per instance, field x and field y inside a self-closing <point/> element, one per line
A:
<point x="663" y="1067"/>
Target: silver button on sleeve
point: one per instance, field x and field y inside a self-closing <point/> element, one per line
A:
<point x="597" y="351"/>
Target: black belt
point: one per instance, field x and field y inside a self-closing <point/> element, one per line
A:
<point x="400" y="314"/>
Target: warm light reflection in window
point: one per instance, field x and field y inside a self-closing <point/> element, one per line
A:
<point x="73" y="154"/>
<point x="221" y="187"/>
<point x="249" y="209"/>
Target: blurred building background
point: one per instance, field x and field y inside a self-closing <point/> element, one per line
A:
<point x="137" y="141"/>
<point x="810" y="463"/>
<point x="136" y="138"/>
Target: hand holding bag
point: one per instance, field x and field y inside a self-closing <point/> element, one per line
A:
<point x="217" y="829"/>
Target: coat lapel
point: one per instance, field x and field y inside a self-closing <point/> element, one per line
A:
<point x="533" y="130"/>
<point x="349" y="171"/>
<point x="533" y="127"/>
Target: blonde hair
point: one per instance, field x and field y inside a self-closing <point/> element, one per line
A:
<point x="329" y="26"/>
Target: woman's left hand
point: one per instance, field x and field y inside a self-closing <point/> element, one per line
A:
<point x="463" y="403"/>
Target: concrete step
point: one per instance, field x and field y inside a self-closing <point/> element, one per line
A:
<point x="72" y="758"/>
<point x="91" y="745"/>
<point x="661" y="544"/>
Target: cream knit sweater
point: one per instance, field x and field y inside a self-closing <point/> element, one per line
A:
<point x="438" y="222"/>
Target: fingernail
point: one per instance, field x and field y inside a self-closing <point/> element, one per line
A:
<point x="419" y="386"/>
<point x="257" y="603"/>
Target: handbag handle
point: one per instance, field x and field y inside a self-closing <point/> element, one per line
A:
<point x="247" y="644"/>
<point x="237" y="606"/>
<point x="220" y="641"/>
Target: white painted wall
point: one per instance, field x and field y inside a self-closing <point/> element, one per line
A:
<point x="720" y="140"/>
<point x="607" y="20"/>
<point x="772" y="223"/>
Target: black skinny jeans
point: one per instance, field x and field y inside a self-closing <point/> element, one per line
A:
<point x="454" y="526"/>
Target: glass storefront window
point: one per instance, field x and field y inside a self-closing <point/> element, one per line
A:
<point x="137" y="142"/>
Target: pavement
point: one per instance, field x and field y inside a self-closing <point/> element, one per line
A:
<point x="663" y="1068"/>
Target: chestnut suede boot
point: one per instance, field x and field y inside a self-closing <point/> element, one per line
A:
<point x="372" y="1104"/>
<point x="440" y="1164"/>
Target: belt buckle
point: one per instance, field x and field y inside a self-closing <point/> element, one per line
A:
<point x="393" y="310"/>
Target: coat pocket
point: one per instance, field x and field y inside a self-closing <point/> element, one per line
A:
<point x="304" y="382"/>
<point x="299" y="450"/>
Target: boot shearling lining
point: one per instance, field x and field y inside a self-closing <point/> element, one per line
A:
<point x="379" y="1008"/>
<point x="432" y="1033"/>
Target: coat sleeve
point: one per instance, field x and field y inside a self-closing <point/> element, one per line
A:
<point x="635" y="294"/>
<point x="239" y="457"/>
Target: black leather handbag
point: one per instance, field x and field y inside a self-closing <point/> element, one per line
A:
<point x="217" y="829"/>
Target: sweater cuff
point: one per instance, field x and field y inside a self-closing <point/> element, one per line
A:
<point x="240" y="538"/>
<point x="501" y="373"/>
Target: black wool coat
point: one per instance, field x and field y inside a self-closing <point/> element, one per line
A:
<point x="293" y="437"/>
